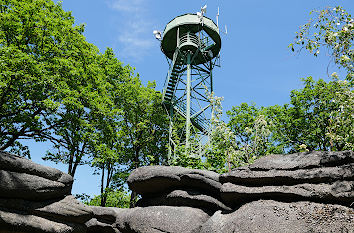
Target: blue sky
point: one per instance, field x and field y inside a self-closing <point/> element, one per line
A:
<point x="256" y="64"/>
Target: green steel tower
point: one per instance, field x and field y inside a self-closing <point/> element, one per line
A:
<point x="191" y="44"/>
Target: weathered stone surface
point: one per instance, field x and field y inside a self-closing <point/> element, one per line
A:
<point x="185" y="198"/>
<point x="103" y="221"/>
<point x="18" y="222"/>
<point x="104" y="214"/>
<point x="303" y="160"/>
<point x="246" y="176"/>
<point x="157" y="179"/>
<point x="273" y="216"/>
<point x="67" y="209"/>
<point x="95" y="226"/>
<point x="30" y="187"/>
<point x="278" y="193"/>
<point x="155" y="219"/>
<point x="341" y="192"/>
<point x="24" y="179"/>
<point x="15" y="163"/>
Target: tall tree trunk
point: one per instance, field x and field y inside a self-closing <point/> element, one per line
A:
<point x="132" y="199"/>
<point x="134" y="194"/>
<point x="75" y="164"/>
<point x="108" y="181"/>
<point x="70" y="166"/>
<point x="102" y="188"/>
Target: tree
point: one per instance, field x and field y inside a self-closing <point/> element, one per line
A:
<point x="84" y="95"/>
<point x="114" y="198"/>
<point x="143" y="125"/>
<point x="107" y="160"/>
<point x="331" y="28"/>
<point x="53" y="83"/>
<point x="48" y="75"/>
<point x="72" y="139"/>
<point x="32" y="37"/>
<point x="307" y="119"/>
<point x="56" y="86"/>
<point x="107" y="146"/>
<point x="341" y="125"/>
<point x="253" y="128"/>
<point x="223" y="147"/>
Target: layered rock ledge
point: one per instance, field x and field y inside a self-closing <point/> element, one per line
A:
<point x="302" y="192"/>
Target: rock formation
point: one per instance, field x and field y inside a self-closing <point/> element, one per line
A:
<point x="302" y="192"/>
<point x="35" y="198"/>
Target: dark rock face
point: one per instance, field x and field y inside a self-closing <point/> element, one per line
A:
<point x="24" y="179"/>
<point x="273" y="216"/>
<point x="18" y="222"/>
<point x="341" y="192"/>
<point x="30" y="187"/>
<point x="64" y="215"/>
<point x="185" y="198"/>
<point x="35" y="198"/>
<point x="246" y="176"/>
<point x="157" y="179"/>
<point x="323" y="177"/>
<point x="66" y="209"/>
<point x="14" y="163"/>
<point x="177" y="186"/>
<point x="304" y="160"/>
<point x="155" y="219"/>
<point x="103" y="220"/>
<point x="303" y="192"/>
<point x="301" y="185"/>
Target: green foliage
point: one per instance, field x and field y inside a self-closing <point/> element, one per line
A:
<point x="143" y="124"/>
<point x="330" y="111"/>
<point x="341" y="126"/>
<point x="253" y="129"/>
<point x="115" y="198"/>
<point x="318" y="117"/>
<point x="222" y="145"/>
<point x="331" y="28"/>
<point x="186" y="160"/>
<point x="56" y="86"/>
<point x="33" y="38"/>
<point x="307" y="119"/>
<point x="48" y="77"/>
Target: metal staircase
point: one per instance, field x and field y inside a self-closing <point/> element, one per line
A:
<point x="172" y="79"/>
<point x="197" y="120"/>
<point x="169" y="99"/>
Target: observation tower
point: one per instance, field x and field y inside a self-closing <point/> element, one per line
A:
<point x="191" y="44"/>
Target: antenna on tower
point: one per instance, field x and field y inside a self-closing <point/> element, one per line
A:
<point x="200" y="14"/>
<point x="217" y="22"/>
<point x="217" y="17"/>
<point x="203" y="10"/>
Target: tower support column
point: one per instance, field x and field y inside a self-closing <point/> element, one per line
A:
<point x="188" y="104"/>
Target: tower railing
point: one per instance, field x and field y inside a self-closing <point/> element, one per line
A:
<point x="189" y="41"/>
